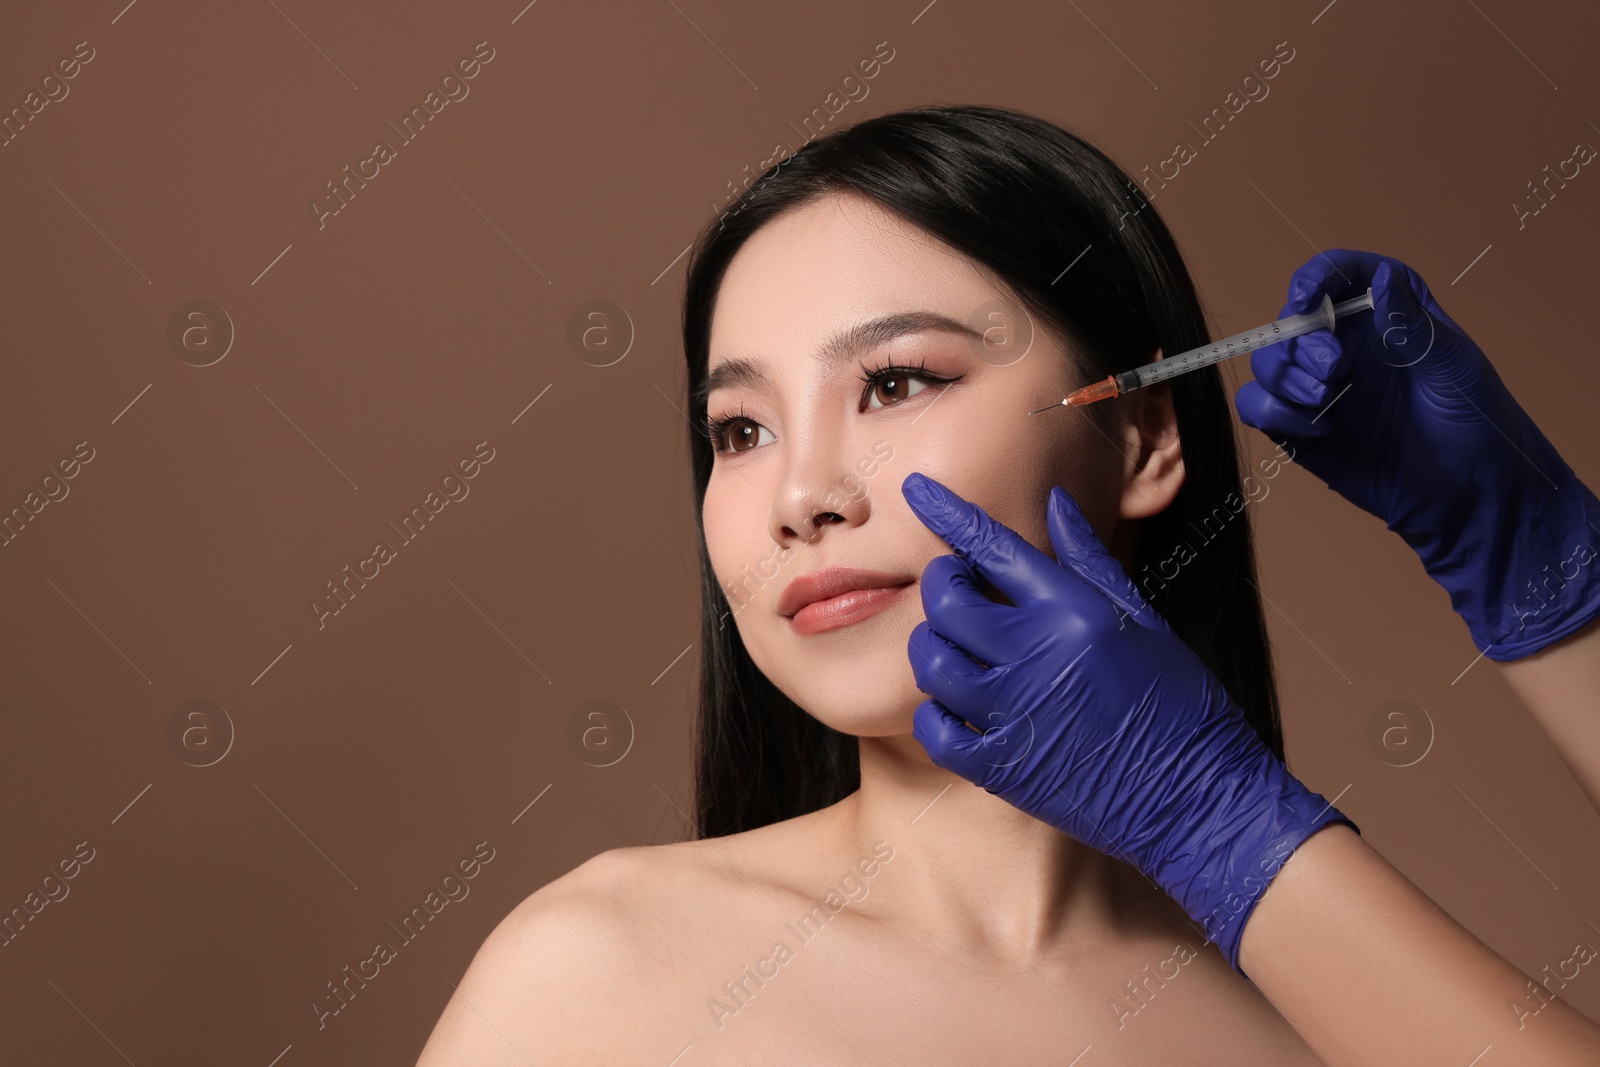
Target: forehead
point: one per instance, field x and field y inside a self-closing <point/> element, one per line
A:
<point x="829" y="263"/>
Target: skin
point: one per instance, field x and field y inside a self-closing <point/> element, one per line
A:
<point x="988" y="936"/>
<point x="1560" y="684"/>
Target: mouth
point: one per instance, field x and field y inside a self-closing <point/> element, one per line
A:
<point x="837" y="597"/>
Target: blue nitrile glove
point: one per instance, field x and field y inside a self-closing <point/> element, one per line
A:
<point x="1399" y="412"/>
<point x="1097" y="718"/>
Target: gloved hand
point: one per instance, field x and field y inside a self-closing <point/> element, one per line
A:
<point x="1399" y="412"/>
<point x="1113" y="732"/>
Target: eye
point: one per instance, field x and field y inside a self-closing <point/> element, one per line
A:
<point x="892" y="387"/>
<point x="740" y="429"/>
<point x="894" y="383"/>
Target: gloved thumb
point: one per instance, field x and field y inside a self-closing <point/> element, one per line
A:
<point x="1080" y="550"/>
<point x="1410" y="337"/>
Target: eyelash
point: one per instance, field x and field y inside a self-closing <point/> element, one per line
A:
<point x="869" y="378"/>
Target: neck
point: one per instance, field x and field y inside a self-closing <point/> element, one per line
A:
<point x="972" y="870"/>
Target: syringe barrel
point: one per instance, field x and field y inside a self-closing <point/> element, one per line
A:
<point x="1217" y="351"/>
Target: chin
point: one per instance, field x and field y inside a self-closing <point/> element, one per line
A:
<point x="894" y="722"/>
<point x="856" y="680"/>
<point x="863" y="711"/>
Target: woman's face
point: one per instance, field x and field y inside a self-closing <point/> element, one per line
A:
<point x="808" y="474"/>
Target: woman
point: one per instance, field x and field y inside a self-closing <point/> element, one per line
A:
<point x="865" y="332"/>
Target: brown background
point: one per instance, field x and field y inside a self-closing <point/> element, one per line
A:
<point x="373" y="754"/>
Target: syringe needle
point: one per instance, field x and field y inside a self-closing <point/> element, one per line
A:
<point x="1047" y="409"/>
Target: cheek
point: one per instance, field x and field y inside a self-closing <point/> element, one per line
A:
<point x="724" y="535"/>
<point x="745" y="561"/>
<point x="1008" y="466"/>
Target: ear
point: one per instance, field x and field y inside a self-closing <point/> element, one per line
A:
<point x="1153" y="466"/>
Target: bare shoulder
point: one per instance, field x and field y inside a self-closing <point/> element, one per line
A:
<point x="530" y="990"/>
<point x="524" y="996"/>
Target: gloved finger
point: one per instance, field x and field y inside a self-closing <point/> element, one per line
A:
<point x="1275" y="367"/>
<point x="1078" y="546"/>
<point x="1276" y="417"/>
<point x="1017" y="568"/>
<point x="959" y="610"/>
<point x="1320" y="354"/>
<point x="946" y="672"/>
<point x="1339" y="272"/>
<point x="951" y="743"/>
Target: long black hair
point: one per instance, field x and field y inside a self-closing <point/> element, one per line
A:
<point x="1027" y="199"/>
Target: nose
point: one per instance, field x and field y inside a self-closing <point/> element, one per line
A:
<point x="817" y="491"/>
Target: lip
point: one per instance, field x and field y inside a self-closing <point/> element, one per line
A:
<point x="839" y="596"/>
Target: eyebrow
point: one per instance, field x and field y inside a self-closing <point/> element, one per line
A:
<point x="838" y="349"/>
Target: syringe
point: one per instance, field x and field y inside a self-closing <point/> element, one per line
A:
<point x="1217" y="351"/>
